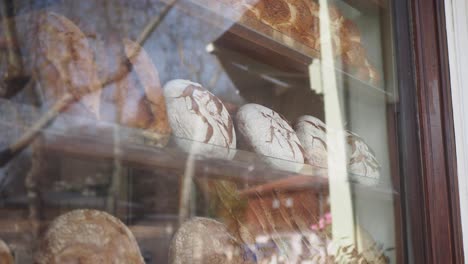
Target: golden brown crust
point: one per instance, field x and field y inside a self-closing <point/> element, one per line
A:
<point x="65" y="62"/>
<point x="274" y="12"/>
<point x="5" y="254"/>
<point x="154" y="101"/>
<point x="299" y="19"/>
<point x="88" y="236"/>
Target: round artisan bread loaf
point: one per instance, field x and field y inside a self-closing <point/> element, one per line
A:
<point x="312" y="133"/>
<point x="5" y="254"/>
<point x="199" y="119"/>
<point x="88" y="237"/>
<point x="267" y="133"/>
<point x="362" y="163"/>
<point x="205" y="241"/>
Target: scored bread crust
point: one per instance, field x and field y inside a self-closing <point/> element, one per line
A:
<point x="300" y="20"/>
<point x="88" y="236"/>
<point x="65" y="63"/>
<point x="203" y="240"/>
<point x="312" y="133"/>
<point x="362" y="160"/>
<point x="268" y="133"/>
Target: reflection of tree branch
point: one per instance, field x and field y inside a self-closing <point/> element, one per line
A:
<point x="124" y="68"/>
<point x="154" y="23"/>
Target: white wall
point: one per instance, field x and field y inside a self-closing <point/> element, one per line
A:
<point x="457" y="38"/>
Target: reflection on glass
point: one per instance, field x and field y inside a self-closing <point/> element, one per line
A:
<point x="232" y="131"/>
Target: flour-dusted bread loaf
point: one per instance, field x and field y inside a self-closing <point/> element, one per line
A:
<point x="86" y="237"/>
<point x="196" y="115"/>
<point x="362" y="164"/>
<point x="267" y="133"/>
<point x="312" y="133"/>
<point x="205" y="241"/>
<point x="5" y="254"/>
<point x="64" y="63"/>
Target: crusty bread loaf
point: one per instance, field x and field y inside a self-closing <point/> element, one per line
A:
<point x="86" y="237"/>
<point x="5" y="254"/>
<point x="204" y="241"/>
<point x="64" y="63"/>
<point x="299" y="19"/>
<point x="268" y="133"/>
<point x="199" y="116"/>
<point x="362" y="164"/>
<point x="312" y="133"/>
<point x="149" y="78"/>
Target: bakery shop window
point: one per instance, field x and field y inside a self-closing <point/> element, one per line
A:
<point x="198" y="131"/>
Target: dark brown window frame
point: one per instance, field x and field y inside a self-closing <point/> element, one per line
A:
<point x="429" y="186"/>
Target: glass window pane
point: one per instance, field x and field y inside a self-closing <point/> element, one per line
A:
<point x="199" y="131"/>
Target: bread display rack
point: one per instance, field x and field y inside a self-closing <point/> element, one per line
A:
<point x="124" y="152"/>
<point x="91" y="141"/>
<point x="92" y="144"/>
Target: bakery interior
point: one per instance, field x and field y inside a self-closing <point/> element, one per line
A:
<point x="123" y="150"/>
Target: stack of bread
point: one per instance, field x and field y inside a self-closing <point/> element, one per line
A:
<point x="91" y="236"/>
<point x="300" y="20"/>
<point x="66" y="63"/>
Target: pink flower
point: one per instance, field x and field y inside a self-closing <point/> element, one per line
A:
<point x="321" y="223"/>
<point x="314" y="227"/>
<point x="328" y="218"/>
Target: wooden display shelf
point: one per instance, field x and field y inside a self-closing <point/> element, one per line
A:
<point x="246" y="167"/>
<point x="94" y="141"/>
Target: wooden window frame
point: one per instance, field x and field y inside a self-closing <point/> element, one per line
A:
<point x="428" y="169"/>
